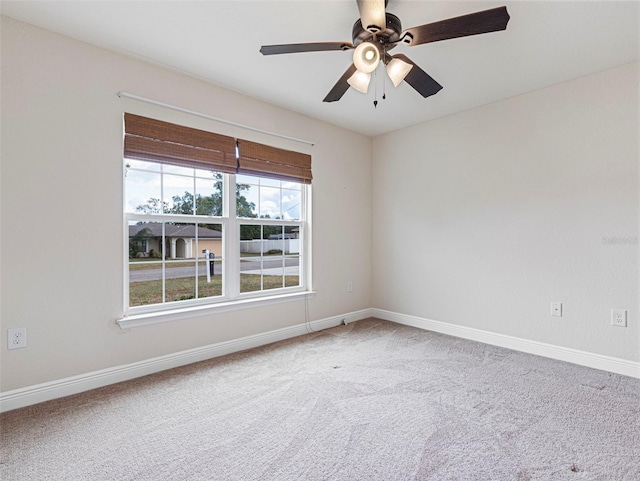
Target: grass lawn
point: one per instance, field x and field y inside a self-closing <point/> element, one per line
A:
<point x="150" y="292"/>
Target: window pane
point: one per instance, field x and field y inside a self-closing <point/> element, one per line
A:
<point x="250" y="273"/>
<point x="264" y="181"/>
<point x="210" y="259"/>
<point x="145" y="283"/>
<point x="176" y="169"/>
<point x="270" y="203"/>
<point x="273" y="271"/>
<point x="268" y="198"/>
<point x="145" y="263"/>
<point x="143" y="165"/>
<point x="247" y="200"/>
<point x="247" y="179"/>
<point x="269" y="257"/>
<point x="142" y="191"/>
<point x="208" y="197"/>
<point x="250" y="258"/>
<point x="209" y="240"/>
<point x="291" y="204"/>
<point x="145" y="240"/>
<point x="291" y="185"/>
<point x="178" y="194"/>
<point x="180" y="283"/>
<point x="292" y="271"/>
<point x="208" y="175"/>
<point x="210" y="286"/>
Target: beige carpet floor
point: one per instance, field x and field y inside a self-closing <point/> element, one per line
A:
<point x="369" y="401"/>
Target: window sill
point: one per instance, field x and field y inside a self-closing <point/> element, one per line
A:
<point x="138" y="320"/>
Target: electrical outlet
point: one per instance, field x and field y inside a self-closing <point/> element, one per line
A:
<point x="556" y="309"/>
<point x="619" y="317"/>
<point x="17" y="338"/>
<point x="349" y="286"/>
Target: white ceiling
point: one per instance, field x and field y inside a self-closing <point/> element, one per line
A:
<point x="546" y="42"/>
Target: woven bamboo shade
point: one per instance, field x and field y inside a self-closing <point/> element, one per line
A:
<point x="157" y="141"/>
<point x="267" y="161"/>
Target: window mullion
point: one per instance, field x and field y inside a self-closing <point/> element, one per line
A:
<point x="305" y="241"/>
<point x="164" y="263"/>
<point x="164" y="237"/>
<point x="231" y="238"/>
<point x="196" y="254"/>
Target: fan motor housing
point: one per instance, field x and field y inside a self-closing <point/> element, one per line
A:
<point x="388" y="37"/>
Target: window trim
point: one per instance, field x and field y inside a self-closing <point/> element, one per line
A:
<point x="176" y="314"/>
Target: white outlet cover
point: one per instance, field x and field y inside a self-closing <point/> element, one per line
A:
<point x="17" y="338"/>
<point x="556" y="309"/>
<point x="619" y="317"/>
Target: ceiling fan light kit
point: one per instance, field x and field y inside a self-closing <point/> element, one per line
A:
<point x="377" y="31"/>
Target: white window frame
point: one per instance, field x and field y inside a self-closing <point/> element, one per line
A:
<point x="231" y="298"/>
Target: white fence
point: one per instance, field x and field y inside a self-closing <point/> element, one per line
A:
<point x="291" y="246"/>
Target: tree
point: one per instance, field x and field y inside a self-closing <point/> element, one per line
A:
<point x="153" y="206"/>
<point x="204" y="205"/>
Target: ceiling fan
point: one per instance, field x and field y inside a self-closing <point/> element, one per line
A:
<point x="377" y="31"/>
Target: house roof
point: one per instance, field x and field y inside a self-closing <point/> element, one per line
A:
<point x="173" y="230"/>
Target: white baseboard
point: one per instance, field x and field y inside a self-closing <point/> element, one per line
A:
<point x="73" y="385"/>
<point x="583" y="358"/>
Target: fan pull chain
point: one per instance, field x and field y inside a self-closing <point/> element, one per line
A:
<point x="384" y="87"/>
<point x="375" y="86"/>
<point x="384" y="77"/>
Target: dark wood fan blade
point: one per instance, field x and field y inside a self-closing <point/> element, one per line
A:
<point x="486" y="21"/>
<point x="341" y="86"/>
<point x="304" y="47"/>
<point x="420" y="80"/>
<point x="372" y="15"/>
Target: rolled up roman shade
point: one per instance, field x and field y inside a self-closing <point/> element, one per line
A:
<point x="158" y="141"/>
<point x="267" y="161"/>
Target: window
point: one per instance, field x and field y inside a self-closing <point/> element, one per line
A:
<point x="270" y="252"/>
<point x="200" y="233"/>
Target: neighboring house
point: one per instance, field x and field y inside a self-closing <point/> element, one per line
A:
<point x="180" y="240"/>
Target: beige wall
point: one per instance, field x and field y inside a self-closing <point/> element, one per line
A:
<point x="485" y="217"/>
<point x="62" y="168"/>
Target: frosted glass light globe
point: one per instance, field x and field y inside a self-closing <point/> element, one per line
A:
<point x="366" y="57"/>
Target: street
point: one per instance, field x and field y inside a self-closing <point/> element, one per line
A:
<point x="247" y="266"/>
